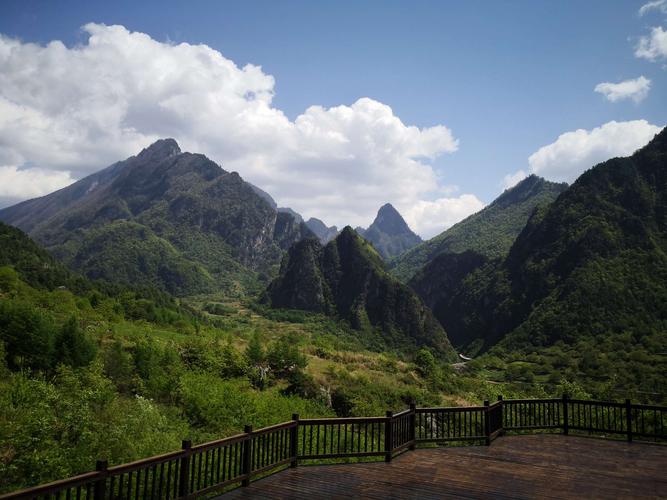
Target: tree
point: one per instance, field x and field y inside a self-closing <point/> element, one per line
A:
<point x="72" y="346"/>
<point x="255" y="351"/>
<point x="9" y="279"/>
<point x="425" y="362"/>
<point x="27" y="334"/>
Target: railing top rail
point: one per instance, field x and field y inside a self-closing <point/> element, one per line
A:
<point x="219" y="442"/>
<point x="639" y="406"/>
<point x="542" y="400"/>
<point x="52" y="486"/>
<point x="402" y="413"/>
<point x="139" y="464"/>
<point x="272" y="428"/>
<point x="597" y="403"/>
<point x="444" y="409"/>
<point x="341" y="420"/>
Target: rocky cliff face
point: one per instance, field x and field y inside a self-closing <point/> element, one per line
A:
<point x="346" y="279"/>
<point x="324" y="234"/>
<point x="389" y="233"/>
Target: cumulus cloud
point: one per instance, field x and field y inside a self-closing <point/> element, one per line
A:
<point x="17" y="184"/>
<point x="511" y="180"/>
<point x="72" y="110"/>
<point x="659" y="5"/>
<point x="635" y="89"/>
<point x="654" y="46"/>
<point x="428" y="217"/>
<point x="574" y="152"/>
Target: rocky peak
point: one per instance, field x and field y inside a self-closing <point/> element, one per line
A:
<point x="159" y="150"/>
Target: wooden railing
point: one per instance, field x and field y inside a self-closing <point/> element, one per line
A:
<point x="196" y="471"/>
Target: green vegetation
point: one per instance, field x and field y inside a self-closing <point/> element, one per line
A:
<point x="583" y="289"/>
<point x="490" y="232"/>
<point x="346" y="279"/>
<point x="109" y="372"/>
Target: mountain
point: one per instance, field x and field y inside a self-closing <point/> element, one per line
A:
<point x="489" y="232"/>
<point x="286" y="210"/>
<point x="589" y="270"/>
<point x="324" y="234"/>
<point x="174" y="220"/>
<point x="389" y="233"/>
<point x="346" y="279"/>
<point x="33" y="264"/>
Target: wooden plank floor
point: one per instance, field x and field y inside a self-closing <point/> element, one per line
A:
<point x="529" y="466"/>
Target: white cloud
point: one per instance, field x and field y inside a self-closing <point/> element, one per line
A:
<point x="635" y="89"/>
<point x="73" y="110"/>
<point x="511" y="180"/>
<point x="429" y="218"/>
<point x="18" y="183"/>
<point x="659" y="5"/>
<point x="574" y="152"/>
<point x="653" y="46"/>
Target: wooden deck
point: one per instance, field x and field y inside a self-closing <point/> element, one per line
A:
<point x="528" y="466"/>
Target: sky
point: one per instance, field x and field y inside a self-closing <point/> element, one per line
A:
<point x="334" y="108"/>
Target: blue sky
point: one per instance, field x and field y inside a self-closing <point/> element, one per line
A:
<point x="506" y="78"/>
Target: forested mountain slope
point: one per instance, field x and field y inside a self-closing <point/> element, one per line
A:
<point x="589" y="270"/>
<point x="346" y="279"/>
<point x="489" y="232"/>
<point x="175" y="220"/>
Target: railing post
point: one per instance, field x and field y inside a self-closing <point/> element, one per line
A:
<point x="566" y="420"/>
<point x="628" y="419"/>
<point x="413" y="426"/>
<point x="101" y="484"/>
<point x="502" y="415"/>
<point x="388" y="436"/>
<point x="247" y="449"/>
<point x="184" y="470"/>
<point x="487" y="424"/>
<point x="294" y="441"/>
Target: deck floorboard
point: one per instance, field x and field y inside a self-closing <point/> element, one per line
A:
<point x="528" y="466"/>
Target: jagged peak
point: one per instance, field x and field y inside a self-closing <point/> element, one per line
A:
<point x="162" y="148"/>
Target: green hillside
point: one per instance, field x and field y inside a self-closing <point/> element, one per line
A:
<point x="587" y="276"/>
<point x="490" y="232"/>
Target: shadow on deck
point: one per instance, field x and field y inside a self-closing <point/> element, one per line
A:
<point x="526" y="466"/>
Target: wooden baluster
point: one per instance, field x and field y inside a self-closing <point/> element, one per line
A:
<point x="388" y="439"/>
<point x="247" y="450"/>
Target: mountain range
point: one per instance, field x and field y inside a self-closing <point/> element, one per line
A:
<point x="174" y="220"/>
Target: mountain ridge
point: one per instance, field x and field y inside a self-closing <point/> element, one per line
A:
<point x="346" y="279"/>
<point x="184" y="201"/>
<point x="489" y="232"/>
